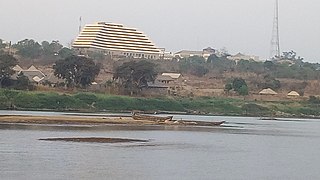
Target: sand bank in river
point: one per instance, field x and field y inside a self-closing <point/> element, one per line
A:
<point x="77" y="120"/>
<point x="93" y="120"/>
<point x="95" y="140"/>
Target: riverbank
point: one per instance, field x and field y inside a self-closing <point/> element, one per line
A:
<point x="91" y="102"/>
<point x="76" y="120"/>
<point x="97" y="120"/>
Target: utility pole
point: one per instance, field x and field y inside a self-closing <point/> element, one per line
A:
<point x="80" y="24"/>
<point x="275" y="41"/>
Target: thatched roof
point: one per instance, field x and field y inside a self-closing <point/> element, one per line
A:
<point x="293" y="93"/>
<point x="17" y="68"/>
<point x="172" y="75"/>
<point x="268" y="92"/>
<point x="32" y="68"/>
<point x="164" y="78"/>
<point x="37" y="79"/>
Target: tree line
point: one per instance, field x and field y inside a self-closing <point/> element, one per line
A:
<point x="199" y="66"/>
<point x="29" y="48"/>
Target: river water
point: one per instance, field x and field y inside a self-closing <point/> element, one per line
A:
<point x="244" y="148"/>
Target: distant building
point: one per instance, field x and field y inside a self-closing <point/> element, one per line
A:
<point x="166" y="83"/>
<point x="164" y="79"/>
<point x="33" y="74"/>
<point x="116" y="40"/>
<point x="241" y="56"/>
<point x="165" y="54"/>
<point x="205" y="53"/>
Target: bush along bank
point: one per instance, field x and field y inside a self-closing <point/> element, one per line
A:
<point x="91" y="102"/>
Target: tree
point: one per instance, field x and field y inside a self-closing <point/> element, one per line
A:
<point x="7" y="62"/>
<point x="220" y="63"/>
<point x="135" y="75"/>
<point x="237" y="83"/>
<point x="65" y="52"/>
<point x="228" y="87"/>
<point x="270" y="82"/>
<point x="243" y="90"/>
<point x="198" y="70"/>
<point x="51" y="49"/>
<point x="250" y="66"/>
<point x="29" y="48"/>
<point x="23" y="83"/>
<point x="194" y="65"/>
<point x="2" y="45"/>
<point x="76" y="71"/>
<point x="269" y="66"/>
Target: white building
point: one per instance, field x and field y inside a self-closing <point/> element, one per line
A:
<point x="241" y="56"/>
<point x="116" y="40"/>
<point x="205" y="53"/>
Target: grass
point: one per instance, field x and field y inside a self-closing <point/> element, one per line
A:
<point x="26" y="100"/>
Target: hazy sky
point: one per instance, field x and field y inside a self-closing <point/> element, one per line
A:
<point x="239" y="25"/>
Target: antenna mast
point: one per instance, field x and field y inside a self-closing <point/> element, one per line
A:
<point x="80" y="24"/>
<point x="275" y="41"/>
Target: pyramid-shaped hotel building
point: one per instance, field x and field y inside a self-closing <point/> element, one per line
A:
<point x="116" y="40"/>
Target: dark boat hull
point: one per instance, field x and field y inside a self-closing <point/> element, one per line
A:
<point x="202" y="123"/>
<point x="151" y="118"/>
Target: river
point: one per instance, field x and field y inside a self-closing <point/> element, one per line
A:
<point x="244" y="148"/>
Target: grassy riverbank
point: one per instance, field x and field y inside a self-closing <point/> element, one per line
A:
<point x="90" y="102"/>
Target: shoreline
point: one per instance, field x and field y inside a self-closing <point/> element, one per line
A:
<point x="97" y="120"/>
<point x="73" y="120"/>
<point x="115" y="114"/>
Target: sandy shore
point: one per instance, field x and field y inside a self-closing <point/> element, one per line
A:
<point x="95" y="120"/>
<point x="77" y="120"/>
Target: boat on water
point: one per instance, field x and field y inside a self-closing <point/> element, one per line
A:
<point x="151" y="118"/>
<point x="268" y="118"/>
<point x="167" y="120"/>
<point x="206" y="123"/>
<point x="194" y="123"/>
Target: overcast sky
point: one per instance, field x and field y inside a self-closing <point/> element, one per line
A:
<point x="239" y="25"/>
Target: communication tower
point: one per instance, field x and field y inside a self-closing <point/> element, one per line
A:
<point x="275" y="41"/>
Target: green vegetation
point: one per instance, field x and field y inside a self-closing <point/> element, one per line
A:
<point x="270" y="82"/>
<point x="76" y="71"/>
<point x="28" y="48"/>
<point x="194" y="65"/>
<point x="239" y="85"/>
<point x="289" y="65"/>
<point x="7" y="62"/>
<point x="134" y="75"/>
<point x="218" y="106"/>
<point x="31" y="49"/>
<point x="24" y="100"/>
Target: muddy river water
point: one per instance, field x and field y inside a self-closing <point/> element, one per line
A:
<point x="244" y="148"/>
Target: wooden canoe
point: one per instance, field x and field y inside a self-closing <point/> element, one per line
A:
<point x="151" y="118"/>
<point x="205" y="123"/>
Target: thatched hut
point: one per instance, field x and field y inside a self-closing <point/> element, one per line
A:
<point x="268" y="91"/>
<point x="293" y="94"/>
